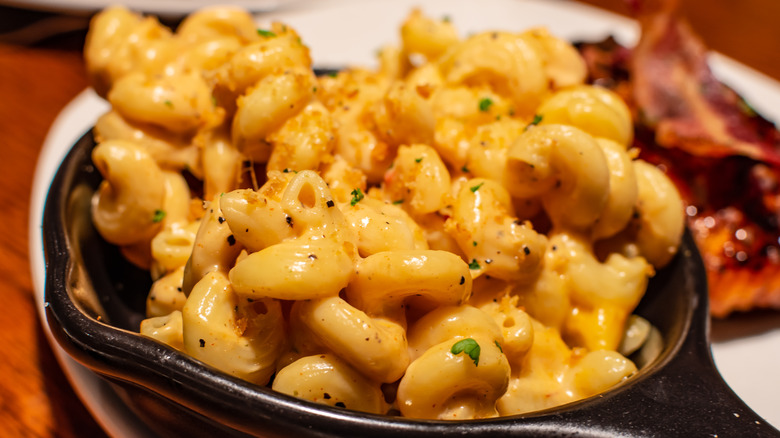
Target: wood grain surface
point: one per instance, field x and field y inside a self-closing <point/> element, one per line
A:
<point x="36" y="81"/>
<point x="35" y="398"/>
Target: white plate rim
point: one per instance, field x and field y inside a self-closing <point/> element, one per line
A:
<point x="732" y="357"/>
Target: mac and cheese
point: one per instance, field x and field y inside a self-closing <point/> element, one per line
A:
<point x="462" y="232"/>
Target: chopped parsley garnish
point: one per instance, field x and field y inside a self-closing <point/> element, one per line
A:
<point x="537" y="119"/>
<point x="465" y="169"/>
<point x="417" y="160"/>
<point x="485" y="103"/>
<point x="398" y="201"/>
<point x="468" y="346"/>
<point x="168" y="103"/>
<point x="474" y="264"/>
<point x="159" y="215"/>
<point x="265" y="33"/>
<point x="357" y="196"/>
<point x="333" y="74"/>
<point x="499" y="346"/>
<point x="476" y="187"/>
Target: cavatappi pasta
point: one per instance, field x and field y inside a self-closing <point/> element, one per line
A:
<point x="462" y="232"/>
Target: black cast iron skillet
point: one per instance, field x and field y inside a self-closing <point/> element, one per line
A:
<point x="95" y="302"/>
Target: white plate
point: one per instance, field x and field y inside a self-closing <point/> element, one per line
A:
<point x="347" y="33"/>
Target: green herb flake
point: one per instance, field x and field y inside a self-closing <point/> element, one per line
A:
<point x="476" y="187"/>
<point x="474" y="265"/>
<point x="417" y="160"/>
<point x="465" y="169"/>
<point x="499" y="346"/>
<point x="265" y="33"/>
<point x="333" y="74"/>
<point x="474" y="243"/>
<point x="214" y="101"/>
<point x="159" y="215"/>
<point x="168" y="103"/>
<point x="485" y="103"/>
<point x="446" y="19"/>
<point x="537" y="119"/>
<point x="468" y="346"/>
<point x="357" y="196"/>
<point x="398" y="201"/>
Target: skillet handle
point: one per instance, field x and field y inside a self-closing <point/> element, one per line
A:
<point x="689" y="387"/>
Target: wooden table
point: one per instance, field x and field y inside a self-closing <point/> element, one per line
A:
<point x="36" y="82"/>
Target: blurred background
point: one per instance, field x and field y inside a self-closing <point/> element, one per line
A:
<point x="41" y="71"/>
<point x="732" y="28"/>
